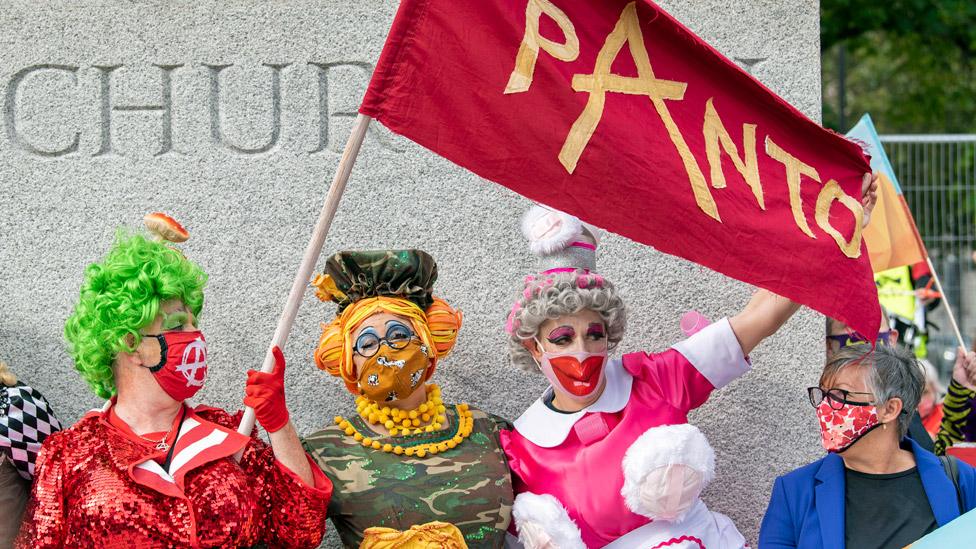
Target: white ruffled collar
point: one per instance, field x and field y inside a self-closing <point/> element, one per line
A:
<point x="547" y="428"/>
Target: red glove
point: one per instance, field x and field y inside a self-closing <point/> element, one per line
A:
<point x="266" y="394"/>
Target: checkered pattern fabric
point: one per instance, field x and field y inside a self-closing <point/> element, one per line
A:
<point x="26" y="419"/>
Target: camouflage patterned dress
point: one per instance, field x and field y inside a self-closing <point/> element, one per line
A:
<point x="469" y="486"/>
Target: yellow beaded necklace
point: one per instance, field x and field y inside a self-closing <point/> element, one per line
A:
<point x="429" y="417"/>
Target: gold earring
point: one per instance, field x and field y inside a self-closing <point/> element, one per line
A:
<point x="884" y="425"/>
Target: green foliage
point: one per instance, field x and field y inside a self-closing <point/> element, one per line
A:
<point x="908" y="62"/>
<point x="936" y="24"/>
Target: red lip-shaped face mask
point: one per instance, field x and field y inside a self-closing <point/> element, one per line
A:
<point x="576" y="375"/>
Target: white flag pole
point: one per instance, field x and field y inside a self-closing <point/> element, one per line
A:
<point x="945" y="301"/>
<point x="312" y="252"/>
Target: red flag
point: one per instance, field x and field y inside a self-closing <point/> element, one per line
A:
<point x="614" y="112"/>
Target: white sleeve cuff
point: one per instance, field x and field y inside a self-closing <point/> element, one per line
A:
<point x="716" y="353"/>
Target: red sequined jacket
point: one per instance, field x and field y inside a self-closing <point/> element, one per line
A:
<point x="95" y="487"/>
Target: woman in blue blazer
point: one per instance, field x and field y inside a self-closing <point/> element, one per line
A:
<point x="875" y="489"/>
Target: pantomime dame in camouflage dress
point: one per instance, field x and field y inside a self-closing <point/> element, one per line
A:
<point x="403" y="458"/>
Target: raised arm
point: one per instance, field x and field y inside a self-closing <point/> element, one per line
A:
<point x="762" y="317"/>
<point x="958" y="405"/>
<point x="265" y="393"/>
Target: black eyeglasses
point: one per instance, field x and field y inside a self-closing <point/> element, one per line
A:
<point x="397" y="337"/>
<point x="836" y="398"/>
<point x="853" y="338"/>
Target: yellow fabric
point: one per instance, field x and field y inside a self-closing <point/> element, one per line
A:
<point x="433" y="535"/>
<point x="628" y="33"/>
<point x="890" y="235"/>
<point x="528" y="53"/>
<point x="717" y="139"/>
<point x="794" y="169"/>
<point x="896" y="292"/>
<point x="326" y="289"/>
<point x="830" y="193"/>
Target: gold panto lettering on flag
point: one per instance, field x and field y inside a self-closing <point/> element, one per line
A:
<point x="717" y="138"/>
<point x="794" y="169"/>
<point x="521" y="77"/>
<point x="828" y="194"/>
<point x="628" y="31"/>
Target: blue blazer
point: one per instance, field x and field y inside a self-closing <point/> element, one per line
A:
<point x="806" y="510"/>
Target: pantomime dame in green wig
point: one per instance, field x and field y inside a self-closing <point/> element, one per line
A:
<point x="148" y="469"/>
<point x="120" y="296"/>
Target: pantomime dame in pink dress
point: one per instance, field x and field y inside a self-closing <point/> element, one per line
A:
<point x="571" y="444"/>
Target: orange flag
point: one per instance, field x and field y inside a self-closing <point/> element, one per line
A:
<point x="891" y="236"/>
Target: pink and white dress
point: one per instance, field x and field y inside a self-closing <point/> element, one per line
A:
<point x="577" y="457"/>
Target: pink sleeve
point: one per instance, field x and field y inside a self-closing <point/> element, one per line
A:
<point x="686" y="374"/>
<point x="511" y="452"/>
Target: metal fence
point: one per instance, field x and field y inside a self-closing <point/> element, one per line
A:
<point x="938" y="177"/>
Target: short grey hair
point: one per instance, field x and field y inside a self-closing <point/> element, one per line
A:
<point x="890" y="372"/>
<point x="556" y="295"/>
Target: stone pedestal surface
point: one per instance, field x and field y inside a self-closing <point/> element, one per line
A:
<point x="232" y="116"/>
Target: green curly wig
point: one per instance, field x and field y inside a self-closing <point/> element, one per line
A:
<point x="121" y="295"/>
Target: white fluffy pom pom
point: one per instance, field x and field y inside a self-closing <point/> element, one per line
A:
<point x="549" y="230"/>
<point x="543" y="514"/>
<point x="661" y="446"/>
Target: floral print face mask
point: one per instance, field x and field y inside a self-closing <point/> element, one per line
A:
<point x="840" y="429"/>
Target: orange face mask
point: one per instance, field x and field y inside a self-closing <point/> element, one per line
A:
<point x="393" y="374"/>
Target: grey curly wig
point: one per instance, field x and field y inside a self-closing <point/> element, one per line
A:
<point x="559" y="294"/>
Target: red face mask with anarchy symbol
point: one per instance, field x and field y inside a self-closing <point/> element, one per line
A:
<point x="182" y="367"/>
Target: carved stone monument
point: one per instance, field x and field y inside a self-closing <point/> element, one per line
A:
<point x="231" y="117"/>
